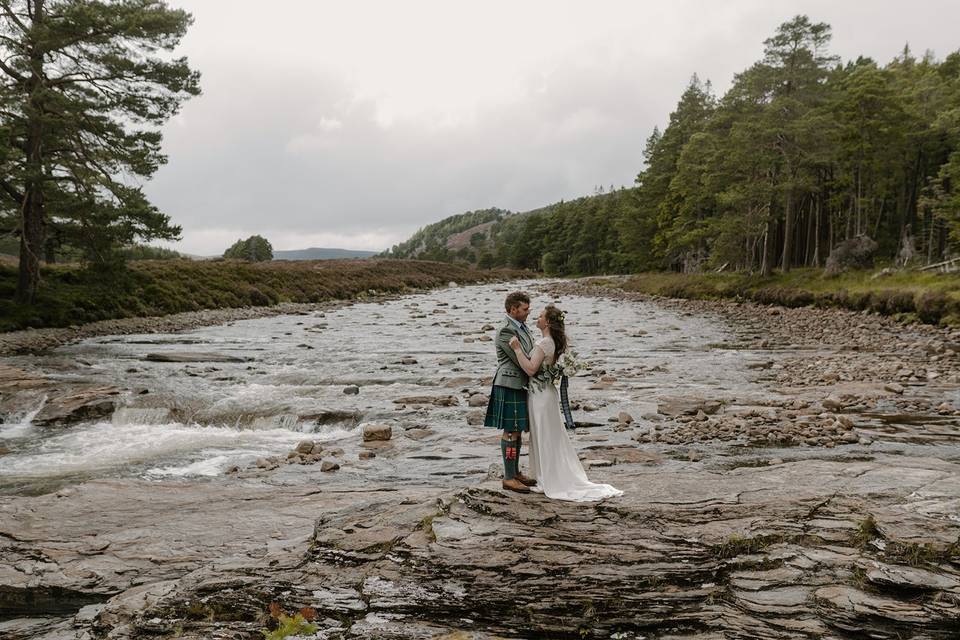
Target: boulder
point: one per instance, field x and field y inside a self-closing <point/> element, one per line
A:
<point x="374" y="432"/>
<point x="79" y="405"/>
<point x="855" y="253"/>
<point x="304" y="447"/>
<point x="478" y="400"/>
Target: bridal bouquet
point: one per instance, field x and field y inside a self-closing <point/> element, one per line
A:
<point x="569" y="364"/>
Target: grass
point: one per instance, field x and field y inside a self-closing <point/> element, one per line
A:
<point x="736" y="545"/>
<point x="867" y="531"/>
<point x="290" y="625"/>
<point x="70" y="295"/>
<point x="932" y="298"/>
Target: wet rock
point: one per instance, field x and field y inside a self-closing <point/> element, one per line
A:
<point x="832" y="402"/>
<point x="79" y="405"/>
<point x="475" y="418"/>
<point x="687" y="406"/>
<point x="375" y="432"/>
<point x="478" y="400"/>
<point x="366" y="455"/>
<point x="624" y="417"/>
<point x="304" y="446"/>
<point x="192" y="356"/>
<point x="329" y="464"/>
<point x="439" y="401"/>
<point x="894" y="387"/>
<point x="351" y="390"/>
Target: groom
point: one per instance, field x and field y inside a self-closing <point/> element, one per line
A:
<point x="507" y="409"/>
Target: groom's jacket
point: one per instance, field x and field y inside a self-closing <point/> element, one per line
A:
<point x="509" y="372"/>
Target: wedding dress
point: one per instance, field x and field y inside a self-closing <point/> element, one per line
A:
<point x="553" y="460"/>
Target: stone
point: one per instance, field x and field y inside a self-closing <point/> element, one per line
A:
<point x="329" y="465"/>
<point x="366" y="455"/>
<point x="192" y="356"/>
<point x="374" y="432"/>
<point x="79" y="404"/>
<point x="624" y="417"/>
<point x="476" y="418"/>
<point x="850" y="437"/>
<point x="304" y="446"/>
<point x="351" y="390"/>
<point x="478" y="400"/>
<point x="832" y="402"/>
<point x="440" y="401"/>
<point x="893" y="387"/>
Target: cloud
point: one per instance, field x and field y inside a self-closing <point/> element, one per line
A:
<point x="360" y="122"/>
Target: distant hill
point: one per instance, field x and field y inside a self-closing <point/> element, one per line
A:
<point x="315" y="253"/>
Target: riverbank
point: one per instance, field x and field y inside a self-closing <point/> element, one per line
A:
<point x="907" y="296"/>
<point x="788" y="473"/>
<point x="209" y="292"/>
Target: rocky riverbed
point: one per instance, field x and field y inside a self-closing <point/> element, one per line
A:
<point x="788" y="473"/>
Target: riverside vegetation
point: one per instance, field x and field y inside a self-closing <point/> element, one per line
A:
<point x="73" y="295"/>
<point x="802" y="153"/>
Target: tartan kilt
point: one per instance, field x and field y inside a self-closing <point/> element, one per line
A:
<point x="507" y="410"/>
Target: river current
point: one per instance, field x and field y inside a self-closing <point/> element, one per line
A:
<point x="284" y="379"/>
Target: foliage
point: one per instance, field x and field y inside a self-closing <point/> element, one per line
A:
<point x="84" y="88"/>
<point x="430" y="242"/>
<point x="802" y="153"/>
<point x="253" y="249"/>
<point x="290" y="625"/>
<point x="73" y="295"/>
<point x="908" y="295"/>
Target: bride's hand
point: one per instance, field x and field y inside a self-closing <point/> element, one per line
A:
<point x="514" y="343"/>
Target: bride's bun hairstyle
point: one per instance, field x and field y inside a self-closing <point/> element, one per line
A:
<point x="558" y="331"/>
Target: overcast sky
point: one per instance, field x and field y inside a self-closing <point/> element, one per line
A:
<point x="353" y="123"/>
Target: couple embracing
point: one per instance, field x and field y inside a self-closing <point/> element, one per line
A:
<point x="521" y="400"/>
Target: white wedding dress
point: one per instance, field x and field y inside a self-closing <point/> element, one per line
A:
<point x="553" y="460"/>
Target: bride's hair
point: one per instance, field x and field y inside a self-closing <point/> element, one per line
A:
<point x="557" y="331"/>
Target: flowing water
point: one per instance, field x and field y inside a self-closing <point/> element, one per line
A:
<point x="269" y="383"/>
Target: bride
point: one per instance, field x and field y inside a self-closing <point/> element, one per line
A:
<point x="553" y="460"/>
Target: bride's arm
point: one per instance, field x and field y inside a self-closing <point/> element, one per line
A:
<point x="532" y="364"/>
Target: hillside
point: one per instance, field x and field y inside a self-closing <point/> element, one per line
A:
<point x="496" y="237"/>
<point x="318" y="253"/>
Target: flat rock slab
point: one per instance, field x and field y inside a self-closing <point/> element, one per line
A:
<point x="62" y="403"/>
<point x="192" y="356"/>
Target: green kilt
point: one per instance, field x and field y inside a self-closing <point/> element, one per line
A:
<point x="507" y="410"/>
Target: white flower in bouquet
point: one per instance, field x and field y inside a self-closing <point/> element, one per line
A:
<point x="569" y="363"/>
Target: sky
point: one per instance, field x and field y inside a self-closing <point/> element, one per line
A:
<point x="353" y="123"/>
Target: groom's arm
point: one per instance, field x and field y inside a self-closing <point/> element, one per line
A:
<point x="503" y="344"/>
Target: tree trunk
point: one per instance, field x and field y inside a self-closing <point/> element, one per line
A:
<point x="32" y="222"/>
<point x="766" y="265"/>
<point x="787" y="232"/>
<point x="816" y="235"/>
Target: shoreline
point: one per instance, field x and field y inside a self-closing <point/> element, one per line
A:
<point x="745" y="505"/>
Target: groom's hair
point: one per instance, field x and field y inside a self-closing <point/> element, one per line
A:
<point x="515" y="299"/>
